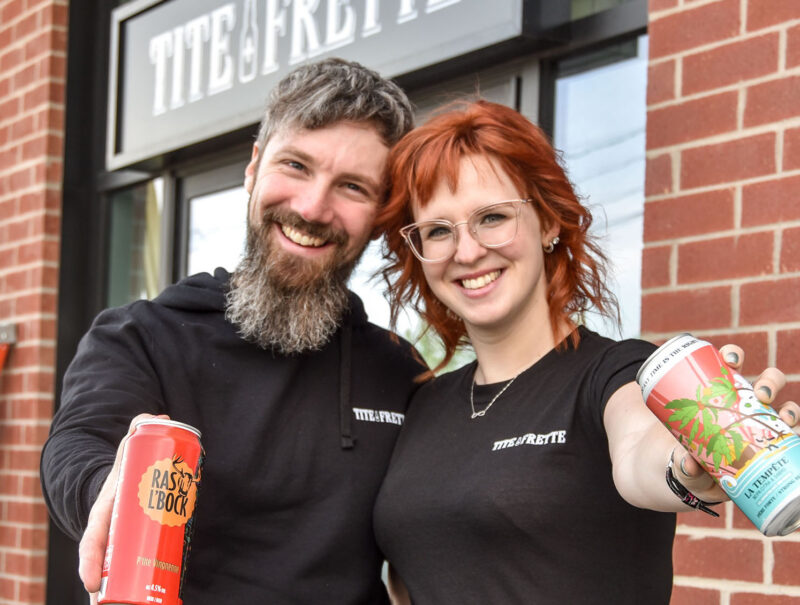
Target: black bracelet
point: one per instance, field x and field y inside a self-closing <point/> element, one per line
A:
<point x="687" y="497"/>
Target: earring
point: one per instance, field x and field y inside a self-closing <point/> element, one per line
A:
<point x="551" y="246"/>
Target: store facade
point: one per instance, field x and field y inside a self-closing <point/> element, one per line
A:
<point x="144" y="151"/>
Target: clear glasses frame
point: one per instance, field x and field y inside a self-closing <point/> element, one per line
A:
<point x="483" y="233"/>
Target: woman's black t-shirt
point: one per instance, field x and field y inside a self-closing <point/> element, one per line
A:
<point x="519" y="506"/>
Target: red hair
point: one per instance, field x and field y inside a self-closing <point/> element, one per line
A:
<point x="575" y="270"/>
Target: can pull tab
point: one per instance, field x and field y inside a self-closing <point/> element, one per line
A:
<point x="8" y="336"/>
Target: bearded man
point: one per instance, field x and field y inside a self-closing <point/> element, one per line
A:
<point x="269" y="364"/>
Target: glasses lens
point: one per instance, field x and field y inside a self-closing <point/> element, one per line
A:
<point x="432" y="240"/>
<point x="495" y="225"/>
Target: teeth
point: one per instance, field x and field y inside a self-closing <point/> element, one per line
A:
<point x="300" y="238"/>
<point x="480" y="282"/>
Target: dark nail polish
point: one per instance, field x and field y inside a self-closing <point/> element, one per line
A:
<point x="767" y="391"/>
<point x="732" y="357"/>
<point x="792" y="414"/>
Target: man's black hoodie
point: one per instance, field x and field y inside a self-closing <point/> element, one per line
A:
<point x="296" y="446"/>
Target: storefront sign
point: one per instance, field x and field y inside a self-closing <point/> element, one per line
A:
<point x="183" y="71"/>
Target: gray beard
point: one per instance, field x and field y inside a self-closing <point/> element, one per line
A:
<point x="280" y="302"/>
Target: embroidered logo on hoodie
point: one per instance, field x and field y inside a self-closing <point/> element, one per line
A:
<point x="379" y="416"/>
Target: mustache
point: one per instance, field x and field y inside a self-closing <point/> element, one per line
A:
<point x="314" y="229"/>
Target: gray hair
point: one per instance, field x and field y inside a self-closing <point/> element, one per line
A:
<point x="323" y="93"/>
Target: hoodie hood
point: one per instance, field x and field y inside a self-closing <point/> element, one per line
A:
<point x="206" y="292"/>
<point x="203" y="292"/>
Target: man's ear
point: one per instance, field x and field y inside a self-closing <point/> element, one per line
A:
<point x="250" y="171"/>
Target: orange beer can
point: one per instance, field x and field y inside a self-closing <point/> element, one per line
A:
<point x="151" y="523"/>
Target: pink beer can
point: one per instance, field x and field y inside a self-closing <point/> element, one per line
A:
<point x="714" y="413"/>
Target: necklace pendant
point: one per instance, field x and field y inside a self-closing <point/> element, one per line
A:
<point x="476" y="414"/>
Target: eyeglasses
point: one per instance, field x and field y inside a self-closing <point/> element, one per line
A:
<point x="492" y="226"/>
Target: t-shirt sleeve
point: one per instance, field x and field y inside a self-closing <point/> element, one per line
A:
<point x="617" y="367"/>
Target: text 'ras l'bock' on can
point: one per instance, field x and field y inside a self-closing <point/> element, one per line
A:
<point x="742" y="443"/>
<point x="151" y="523"/>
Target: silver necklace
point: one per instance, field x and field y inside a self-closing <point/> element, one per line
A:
<point x="486" y="409"/>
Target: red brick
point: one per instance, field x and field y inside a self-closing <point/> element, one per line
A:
<point x="692" y="120"/>
<point x="660" y="82"/>
<point x="25" y="77"/>
<point x="33" y="539"/>
<point x="772" y="101"/>
<point x="791" y="392"/>
<point x="790" y="250"/>
<point x="26" y="512"/>
<point x="23" y="460"/>
<point x="42" y="44"/>
<point x="755" y="346"/>
<point x="658" y="5"/>
<point x="749" y="598"/>
<point x="726" y="258"/>
<point x="770" y="301"/>
<point x="692" y="519"/>
<point x="764" y="13"/>
<point x="793" y="47"/>
<point x="41" y="381"/>
<point x="701" y="557"/>
<point x="11" y="10"/>
<point x="655" y="266"/>
<point x="11" y="59"/>
<point x="24" y="564"/>
<point x="726" y="162"/>
<point x="788" y="352"/>
<point x="9" y="109"/>
<point x="696" y="214"/>
<point x="34" y="148"/>
<point x="787" y="554"/>
<point x="687" y="310"/>
<point x="37" y="96"/>
<point x="770" y="202"/>
<point x="32" y="591"/>
<point x="54" y="14"/>
<point x="9" y="536"/>
<point x="686" y="595"/>
<point x="8" y="589"/>
<point x="693" y="27"/>
<point x="25" y="26"/>
<point x="658" y="175"/>
<point x="729" y="64"/>
<point x="791" y="149"/>
<point x="22" y="127"/>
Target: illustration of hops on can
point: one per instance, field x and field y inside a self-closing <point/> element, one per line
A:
<point x="152" y="520"/>
<point x="742" y="443"/>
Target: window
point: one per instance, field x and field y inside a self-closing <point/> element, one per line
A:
<point x="136" y="246"/>
<point x="600" y="112"/>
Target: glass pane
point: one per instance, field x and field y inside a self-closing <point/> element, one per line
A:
<point x="217" y="230"/>
<point x="600" y="129"/>
<point x="135" y="250"/>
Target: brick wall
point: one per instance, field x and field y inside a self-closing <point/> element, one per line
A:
<point x="32" y="80"/>
<point x="722" y="239"/>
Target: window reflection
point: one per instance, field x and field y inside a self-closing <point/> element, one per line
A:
<point x="600" y="112"/>
<point x="217" y="230"/>
<point x="135" y="244"/>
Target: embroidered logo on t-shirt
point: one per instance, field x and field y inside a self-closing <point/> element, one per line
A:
<point x="379" y="416"/>
<point x="531" y="439"/>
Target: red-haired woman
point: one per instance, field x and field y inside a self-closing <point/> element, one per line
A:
<point x="532" y="475"/>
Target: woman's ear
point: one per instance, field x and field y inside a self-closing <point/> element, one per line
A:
<point x="550" y="234"/>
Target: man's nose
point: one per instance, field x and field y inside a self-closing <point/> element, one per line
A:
<point x="315" y="204"/>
